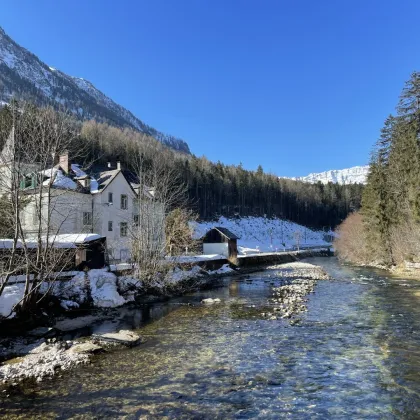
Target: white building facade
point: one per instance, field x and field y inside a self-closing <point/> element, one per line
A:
<point x="67" y="200"/>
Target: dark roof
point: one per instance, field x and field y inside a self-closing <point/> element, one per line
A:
<point x="226" y="232"/>
<point x="105" y="178"/>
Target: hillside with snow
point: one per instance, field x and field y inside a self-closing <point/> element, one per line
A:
<point x="354" y="175"/>
<point x="258" y="234"/>
<point x="24" y="76"/>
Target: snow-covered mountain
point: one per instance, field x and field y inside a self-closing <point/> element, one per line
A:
<point x="355" y="175"/>
<point x="24" y="76"/>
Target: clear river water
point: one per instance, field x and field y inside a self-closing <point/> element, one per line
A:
<point x="354" y="354"/>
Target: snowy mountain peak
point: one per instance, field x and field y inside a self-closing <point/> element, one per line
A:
<point x="24" y="76"/>
<point x="354" y="175"/>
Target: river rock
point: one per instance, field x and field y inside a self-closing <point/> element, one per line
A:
<point x="70" y="324"/>
<point x="210" y="301"/>
<point x="43" y="362"/>
<point x="86" y="348"/>
<point x="123" y="337"/>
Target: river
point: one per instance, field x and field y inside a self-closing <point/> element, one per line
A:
<point x="354" y="354"/>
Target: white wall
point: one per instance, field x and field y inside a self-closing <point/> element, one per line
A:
<point x="68" y="208"/>
<point x="103" y="213"/>
<point x="221" y="249"/>
<point x="66" y="212"/>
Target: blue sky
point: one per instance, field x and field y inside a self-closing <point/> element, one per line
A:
<point x="296" y="86"/>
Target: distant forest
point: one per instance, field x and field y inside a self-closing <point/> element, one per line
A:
<point x="215" y="189"/>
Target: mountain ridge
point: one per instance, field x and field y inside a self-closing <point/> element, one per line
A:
<point x="353" y="175"/>
<point x="24" y="76"/>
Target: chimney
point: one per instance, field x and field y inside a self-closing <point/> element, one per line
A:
<point x="64" y="162"/>
<point x="109" y="165"/>
<point x="118" y="165"/>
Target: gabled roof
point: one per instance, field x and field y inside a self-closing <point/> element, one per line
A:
<point x="100" y="178"/>
<point x="225" y="232"/>
<point x="106" y="177"/>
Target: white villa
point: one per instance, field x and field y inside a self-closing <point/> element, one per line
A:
<point x="101" y="200"/>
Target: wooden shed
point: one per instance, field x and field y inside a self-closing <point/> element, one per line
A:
<point x="222" y="241"/>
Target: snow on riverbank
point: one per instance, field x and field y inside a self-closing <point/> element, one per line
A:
<point x="9" y="298"/>
<point x="105" y="289"/>
<point x="258" y="234"/>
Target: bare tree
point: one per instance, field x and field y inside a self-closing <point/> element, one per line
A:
<point x="351" y="242"/>
<point x="405" y="241"/>
<point x="159" y="191"/>
<point x="41" y="201"/>
<point x="179" y="231"/>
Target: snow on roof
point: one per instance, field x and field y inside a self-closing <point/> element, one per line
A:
<point x="60" y="180"/>
<point x="76" y="169"/>
<point x="74" y="238"/>
<point x="57" y="241"/>
<point x="49" y="172"/>
<point x="8" y="244"/>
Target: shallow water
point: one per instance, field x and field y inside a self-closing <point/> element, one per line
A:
<point x="354" y="354"/>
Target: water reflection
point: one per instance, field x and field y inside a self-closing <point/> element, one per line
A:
<point x="355" y="354"/>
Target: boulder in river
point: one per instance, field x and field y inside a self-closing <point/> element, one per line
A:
<point x="123" y="337"/>
<point x="70" y="324"/>
<point x="86" y="348"/>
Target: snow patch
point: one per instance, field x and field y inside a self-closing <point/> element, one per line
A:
<point x="225" y="268"/>
<point x="259" y="234"/>
<point x="11" y="296"/>
<point x="178" y="275"/>
<point x="60" y="180"/>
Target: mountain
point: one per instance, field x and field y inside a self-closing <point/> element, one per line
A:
<point x="24" y="76"/>
<point x="355" y="175"/>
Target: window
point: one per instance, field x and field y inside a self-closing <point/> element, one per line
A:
<point x="124" y="254"/>
<point x="136" y="220"/>
<point x="87" y="218"/>
<point x="110" y="198"/>
<point x="124" y="202"/>
<point x="28" y="181"/>
<point x="110" y="227"/>
<point x="123" y="229"/>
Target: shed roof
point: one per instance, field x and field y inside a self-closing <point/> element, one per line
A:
<point x="224" y="232"/>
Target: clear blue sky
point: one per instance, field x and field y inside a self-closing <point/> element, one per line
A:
<point x="298" y="86"/>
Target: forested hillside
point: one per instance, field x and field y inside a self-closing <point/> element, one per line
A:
<point x="387" y="231"/>
<point x="24" y="76"/>
<point x="216" y="189"/>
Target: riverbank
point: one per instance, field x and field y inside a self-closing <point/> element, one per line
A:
<point x="406" y="270"/>
<point x="48" y="351"/>
<point x="353" y="354"/>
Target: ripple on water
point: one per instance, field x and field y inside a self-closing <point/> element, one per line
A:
<point x="353" y="355"/>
